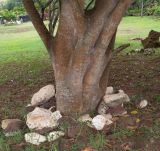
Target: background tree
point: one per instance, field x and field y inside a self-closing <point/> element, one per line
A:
<point x="82" y="50"/>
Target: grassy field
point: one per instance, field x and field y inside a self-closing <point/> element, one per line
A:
<point x="21" y="47"/>
<point x="25" y="67"/>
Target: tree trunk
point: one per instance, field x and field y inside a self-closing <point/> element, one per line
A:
<point x="81" y="51"/>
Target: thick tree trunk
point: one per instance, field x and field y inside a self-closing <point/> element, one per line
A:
<point x="82" y="51"/>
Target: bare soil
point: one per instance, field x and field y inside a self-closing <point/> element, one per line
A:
<point x="138" y="76"/>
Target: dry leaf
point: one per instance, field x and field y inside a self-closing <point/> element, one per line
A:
<point x="88" y="149"/>
<point x="134" y="112"/>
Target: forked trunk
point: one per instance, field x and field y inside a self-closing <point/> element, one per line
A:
<point x="80" y="82"/>
<point x="81" y="51"/>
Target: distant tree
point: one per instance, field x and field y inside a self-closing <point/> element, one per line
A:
<point x="10" y="4"/>
<point x="144" y="7"/>
<point x="82" y="50"/>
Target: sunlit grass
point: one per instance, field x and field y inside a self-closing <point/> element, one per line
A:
<point x="23" y="55"/>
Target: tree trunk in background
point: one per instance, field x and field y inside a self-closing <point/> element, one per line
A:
<point x="142" y="7"/>
<point x="81" y="51"/>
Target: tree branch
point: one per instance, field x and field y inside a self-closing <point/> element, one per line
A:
<point x="116" y="51"/>
<point x="38" y="23"/>
<point x="46" y="5"/>
<point x="120" y="48"/>
<point x="111" y="24"/>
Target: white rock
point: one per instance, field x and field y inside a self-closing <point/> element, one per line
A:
<point x="85" y="118"/>
<point x="109" y="90"/>
<point x="121" y="91"/>
<point x="43" y="95"/>
<point x="52" y="136"/>
<point x="99" y="122"/>
<point x="41" y="118"/>
<point x="56" y="115"/>
<point x="143" y="104"/>
<point x="35" y="138"/>
<point x="116" y="99"/>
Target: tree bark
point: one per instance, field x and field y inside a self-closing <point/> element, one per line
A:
<point x="81" y="52"/>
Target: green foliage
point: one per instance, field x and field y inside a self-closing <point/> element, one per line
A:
<point x="19" y="10"/>
<point x="149" y="7"/>
<point x="10" y="4"/>
<point x="8" y="15"/>
<point x="3" y="144"/>
<point x="157" y="98"/>
<point x="11" y="9"/>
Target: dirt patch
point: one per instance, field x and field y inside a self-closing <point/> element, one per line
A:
<point x="138" y="76"/>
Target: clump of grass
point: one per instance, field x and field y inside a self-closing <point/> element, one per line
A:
<point x="151" y="132"/>
<point x="3" y="143"/>
<point x="157" y="98"/>
<point x="97" y="141"/>
<point x="120" y="133"/>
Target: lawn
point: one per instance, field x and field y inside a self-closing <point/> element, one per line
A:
<point x="25" y="68"/>
<point x="22" y="52"/>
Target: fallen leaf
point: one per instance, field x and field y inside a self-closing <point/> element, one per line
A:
<point x="134" y="112"/>
<point x="88" y="149"/>
<point x="138" y="120"/>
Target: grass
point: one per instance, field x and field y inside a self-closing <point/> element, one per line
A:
<point x="23" y="58"/>
<point x="23" y="55"/>
<point x="97" y="141"/>
<point x="136" y="27"/>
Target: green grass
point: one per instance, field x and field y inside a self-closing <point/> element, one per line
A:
<point x="23" y="56"/>
<point x="136" y="27"/>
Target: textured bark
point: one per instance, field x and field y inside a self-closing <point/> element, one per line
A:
<point x="83" y="49"/>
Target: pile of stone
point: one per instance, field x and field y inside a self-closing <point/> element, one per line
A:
<point x="113" y="102"/>
<point x="43" y="122"/>
<point x="111" y="105"/>
<point x="40" y="120"/>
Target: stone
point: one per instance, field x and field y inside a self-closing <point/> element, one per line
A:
<point x="85" y="118"/>
<point x="41" y="119"/>
<point x="102" y="108"/>
<point x="100" y="121"/>
<point x="143" y="104"/>
<point x="117" y="110"/>
<point x="109" y="90"/>
<point x="46" y="105"/>
<point x="11" y="126"/>
<point x="35" y="138"/>
<point x="43" y="95"/>
<point x="116" y="99"/>
<point x="52" y="136"/>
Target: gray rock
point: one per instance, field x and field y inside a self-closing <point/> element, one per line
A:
<point x="116" y="99"/>
<point x="11" y="126"/>
<point x="102" y="108"/>
<point x="117" y="110"/>
<point x="43" y="95"/>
